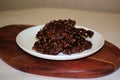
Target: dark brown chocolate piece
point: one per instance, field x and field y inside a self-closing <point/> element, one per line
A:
<point x="62" y="36"/>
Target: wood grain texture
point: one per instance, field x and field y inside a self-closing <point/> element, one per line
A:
<point x="103" y="62"/>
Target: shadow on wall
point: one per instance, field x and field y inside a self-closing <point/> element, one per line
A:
<point x="92" y="5"/>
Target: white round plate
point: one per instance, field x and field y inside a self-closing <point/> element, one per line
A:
<point x="26" y="39"/>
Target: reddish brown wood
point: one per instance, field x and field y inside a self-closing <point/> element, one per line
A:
<point x="103" y="62"/>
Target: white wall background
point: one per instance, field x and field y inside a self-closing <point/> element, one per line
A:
<point x="92" y="5"/>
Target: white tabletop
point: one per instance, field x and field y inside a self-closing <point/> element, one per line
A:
<point x="108" y="24"/>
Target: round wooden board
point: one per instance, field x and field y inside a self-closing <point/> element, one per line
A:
<point x="103" y="62"/>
